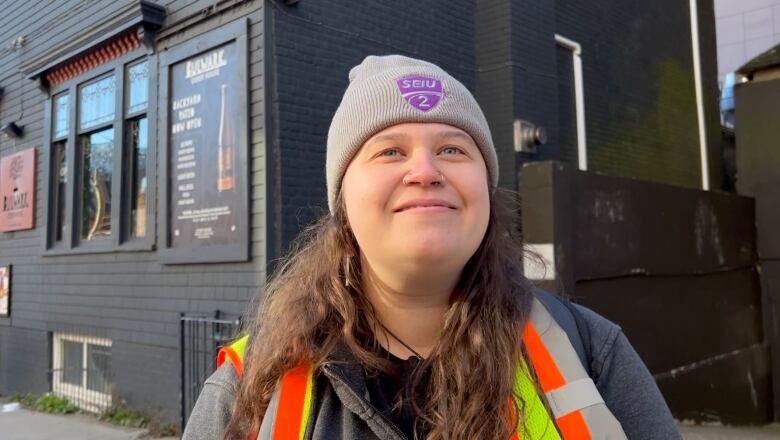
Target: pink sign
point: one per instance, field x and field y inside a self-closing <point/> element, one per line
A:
<point x="17" y="191"/>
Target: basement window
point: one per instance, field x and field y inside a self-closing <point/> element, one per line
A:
<point x="82" y="370"/>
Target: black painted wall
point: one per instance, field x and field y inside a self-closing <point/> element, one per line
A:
<point x="639" y="89"/>
<point x="535" y="72"/>
<point x="677" y="268"/>
<point x="758" y="161"/>
<point x="315" y="45"/>
<point x="640" y="104"/>
<point x="494" y="89"/>
<point x="640" y="107"/>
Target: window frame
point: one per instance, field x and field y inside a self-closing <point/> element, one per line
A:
<point x="121" y="239"/>
<point x="82" y="396"/>
<point x="54" y="190"/>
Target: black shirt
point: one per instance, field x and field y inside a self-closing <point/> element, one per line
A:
<point x="384" y="389"/>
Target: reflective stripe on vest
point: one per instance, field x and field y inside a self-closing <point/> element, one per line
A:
<point x="290" y="404"/>
<point x="576" y="405"/>
<point x="235" y="354"/>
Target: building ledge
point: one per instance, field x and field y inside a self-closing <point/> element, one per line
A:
<point x="141" y="19"/>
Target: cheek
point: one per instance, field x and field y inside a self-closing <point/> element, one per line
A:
<point x="483" y="213"/>
<point x="475" y="188"/>
<point x="477" y="195"/>
<point x="365" y="198"/>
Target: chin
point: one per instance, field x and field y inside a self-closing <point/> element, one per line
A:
<point x="432" y="252"/>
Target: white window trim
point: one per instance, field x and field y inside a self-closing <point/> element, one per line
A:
<point x="579" y="97"/>
<point x="540" y="264"/>
<point x="84" y="398"/>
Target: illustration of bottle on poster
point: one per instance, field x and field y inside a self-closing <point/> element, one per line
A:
<point x="225" y="159"/>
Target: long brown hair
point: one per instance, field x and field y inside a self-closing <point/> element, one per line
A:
<point x="309" y="310"/>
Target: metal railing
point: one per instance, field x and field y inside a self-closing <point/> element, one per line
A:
<point x="201" y="337"/>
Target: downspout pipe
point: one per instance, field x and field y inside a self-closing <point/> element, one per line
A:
<point x="579" y="98"/>
<point x="704" y="160"/>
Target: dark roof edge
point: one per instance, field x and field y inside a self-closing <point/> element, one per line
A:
<point x="142" y="13"/>
<point x="769" y="58"/>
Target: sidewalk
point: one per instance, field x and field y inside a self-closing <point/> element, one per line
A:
<point x="24" y="424"/>
<point x="714" y="432"/>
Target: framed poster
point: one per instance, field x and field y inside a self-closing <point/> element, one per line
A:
<point x="5" y="291"/>
<point x="206" y="192"/>
<point x="17" y="191"/>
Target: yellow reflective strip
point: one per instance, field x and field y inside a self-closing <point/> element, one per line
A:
<point x="239" y="346"/>
<point x="537" y="423"/>
<point x="307" y="401"/>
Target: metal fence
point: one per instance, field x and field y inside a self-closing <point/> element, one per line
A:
<point x="82" y="369"/>
<point x="201" y="336"/>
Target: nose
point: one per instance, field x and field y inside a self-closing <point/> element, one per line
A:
<point x="423" y="171"/>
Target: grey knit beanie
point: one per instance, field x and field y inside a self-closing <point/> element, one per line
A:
<point x="387" y="90"/>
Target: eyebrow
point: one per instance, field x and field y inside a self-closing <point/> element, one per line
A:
<point x="392" y="137"/>
<point x="403" y="136"/>
<point x="455" y="134"/>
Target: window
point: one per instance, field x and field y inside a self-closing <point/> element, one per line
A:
<point x="82" y="370"/>
<point x="59" y="164"/>
<point x="61" y="116"/>
<point x="59" y="180"/>
<point x="138" y="133"/>
<point x="96" y="102"/>
<point x="96" y="154"/>
<point x="101" y="125"/>
<point x="137" y="144"/>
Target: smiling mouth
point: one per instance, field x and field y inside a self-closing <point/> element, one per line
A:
<point x="431" y="208"/>
<point x="425" y="204"/>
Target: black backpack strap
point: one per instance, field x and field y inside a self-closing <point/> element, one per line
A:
<point x="571" y="321"/>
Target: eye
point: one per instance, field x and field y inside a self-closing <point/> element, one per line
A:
<point x="390" y="152"/>
<point x="451" y="150"/>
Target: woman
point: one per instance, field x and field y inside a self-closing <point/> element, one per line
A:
<point x="404" y="314"/>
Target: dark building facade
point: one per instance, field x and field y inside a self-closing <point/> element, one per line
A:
<point x="757" y="160"/>
<point x="180" y="147"/>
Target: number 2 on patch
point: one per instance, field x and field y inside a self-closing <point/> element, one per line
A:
<point x="423" y="100"/>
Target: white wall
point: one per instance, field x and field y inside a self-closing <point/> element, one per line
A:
<point x="745" y="28"/>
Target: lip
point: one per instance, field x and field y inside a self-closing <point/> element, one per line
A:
<point x="425" y="205"/>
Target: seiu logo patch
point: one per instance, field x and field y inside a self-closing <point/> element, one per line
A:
<point x="421" y="92"/>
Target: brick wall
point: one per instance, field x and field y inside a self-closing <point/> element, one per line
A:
<point x="639" y="93"/>
<point x="315" y="45"/>
<point x="493" y="41"/>
<point x="640" y="103"/>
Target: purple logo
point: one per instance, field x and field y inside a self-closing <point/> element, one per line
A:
<point x="421" y="92"/>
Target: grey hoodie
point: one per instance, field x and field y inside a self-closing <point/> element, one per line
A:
<point x="341" y="406"/>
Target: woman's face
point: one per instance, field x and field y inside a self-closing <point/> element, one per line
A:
<point x="417" y="196"/>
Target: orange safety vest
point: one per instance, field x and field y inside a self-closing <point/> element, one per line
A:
<point x="576" y="405"/>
